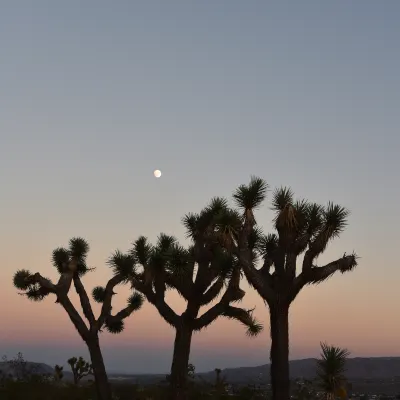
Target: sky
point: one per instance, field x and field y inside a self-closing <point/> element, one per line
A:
<point x="96" y="95"/>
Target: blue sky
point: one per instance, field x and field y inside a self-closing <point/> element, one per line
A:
<point x="95" y="95"/>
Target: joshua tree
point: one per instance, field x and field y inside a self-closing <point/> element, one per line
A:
<point x="330" y="371"/>
<point x="71" y="265"/>
<point x="220" y="383"/>
<point x="80" y="368"/>
<point x="301" y="228"/>
<point x="199" y="274"/>
<point x="58" y="373"/>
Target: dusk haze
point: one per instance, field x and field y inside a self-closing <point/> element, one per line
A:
<point x="118" y="118"/>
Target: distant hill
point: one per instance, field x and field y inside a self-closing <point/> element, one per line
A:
<point x="357" y="368"/>
<point x="32" y="368"/>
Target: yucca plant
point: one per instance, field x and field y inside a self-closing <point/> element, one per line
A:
<point x="80" y="368"/>
<point x="203" y="274"/>
<point x="270" y="262"/>
<point x="330" y="371"/>
<point x="71" y="264"/>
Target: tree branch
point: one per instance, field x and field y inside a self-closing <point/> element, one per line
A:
<point x="239" y="314"/>
<point x="290" y="266"/>
<point x="84" y="299"/>
<point x="233" y="293"/>
<point x="316" y="275"/>
<point x="44" y="282"/>
<point x="74" y="316"/>
<point x="256" y="278"/>
<point x="209" y="316"/>
<point x="183" y="285"/>
<point x="109" y="292"/>
<point x="212" y="291"/>
<point x="159" y="302"/>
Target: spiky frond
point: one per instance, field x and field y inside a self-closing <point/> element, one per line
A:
<point x="268" y="245"/>
<point x="122" y="264"/>
<point x="114" y="326"/>
<point x="78" y="248"/>
<point x="335" y="219"/>
<point x="246" y="318"/>
<point x="165" y="242"/>
<point x="135" y="301"/>
<point x="217" y="205"/>
<point x="228" y="224"/>
<point x="178" y="258"/>
<point x="281" y="198"/>
<point x="36" y="293"/>
<point x="314" y="218"/>
<point x="205" y="221"/>
<point x="141" y="250"/>
<point x="301" y="208"/>
<point x="99" y="294"/>
<point x="190" y="222"/>
<point x="60" y="259"/>
<point x="255" y="238"/>
<point x="331" y="368"/>
<point x="158" y="261"/>
<point x="82" y="268"/>
<point x="22" y="279"/>
<point x="254" y="329"/>
<point x="250" y="197"/>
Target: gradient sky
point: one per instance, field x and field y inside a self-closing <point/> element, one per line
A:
<point x="95" y="95"/>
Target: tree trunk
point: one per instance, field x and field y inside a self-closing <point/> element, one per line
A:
<point x="280" y="381"/>
<point x="180" y="363"/>
<point x="103" y="388"/>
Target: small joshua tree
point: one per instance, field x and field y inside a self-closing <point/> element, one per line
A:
<point x="80" y="368"/>
<point x="220" y="383"/>
<point x="200" y="275"/>
<point x="58" y="373"/>
<point x="71" y="266"/>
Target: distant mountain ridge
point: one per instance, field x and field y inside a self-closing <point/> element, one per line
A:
<point x="357" y="368"/>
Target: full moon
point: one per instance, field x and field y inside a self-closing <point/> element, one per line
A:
<point x="157" y="173"/>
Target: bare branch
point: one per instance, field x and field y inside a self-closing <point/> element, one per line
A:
<point x="65" y="281"/>
<point x="233" y="293"/>
<point x="240" y="314"/>
<point x="74" y="316"/>
<point x="316" y="275"/>
<point x="209" y="316"/>
<point x="109" y="292"/>
<point x="84" y="299"/>
<point x="158" y="301"/>
<point x="257" y="278"/>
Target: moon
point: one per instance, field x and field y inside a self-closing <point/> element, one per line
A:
<point x="157" y="173"/>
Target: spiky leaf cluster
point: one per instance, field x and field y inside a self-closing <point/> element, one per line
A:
<point x="73" y="257"/>
<point x="122" y="264"/>
<point x="114" y="326"/>
<point x="135" y="301"/>
<point x="99" y="294"/>
<point x="26" y="282"/>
